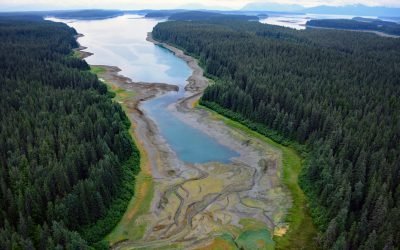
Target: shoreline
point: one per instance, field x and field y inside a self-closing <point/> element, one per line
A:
<point x="291" y="159"/>
<point x="195" y="203"/>
<point x="378" y="33"/>
<point x="196" y="81"/>
<point x="81" y="54"/>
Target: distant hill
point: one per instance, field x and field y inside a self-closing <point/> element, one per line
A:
<point x="356" y="10"/>
<point x="32" y="15"/>
<point x="358" y="23"/>
<point x="206" y="14"/>
<point x="162" y="13"/>
<point x="209" y="16"/>
<point x="87" y="14"/>
<point x="21" y="16"/>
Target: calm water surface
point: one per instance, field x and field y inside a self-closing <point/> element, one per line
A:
<point x="299" y="21"/>
<point x="122" y="42"/>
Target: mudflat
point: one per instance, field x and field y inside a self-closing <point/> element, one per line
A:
<point x="196" y="205"/>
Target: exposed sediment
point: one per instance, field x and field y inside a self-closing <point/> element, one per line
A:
<point x="195" y="203"/>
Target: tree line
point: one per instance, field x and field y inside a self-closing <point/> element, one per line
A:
<point x="67" y="160"/>
<point x="337" y="93"/>
<point x="358" y="23"/>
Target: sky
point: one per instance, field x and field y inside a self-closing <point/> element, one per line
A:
<point x="8" y="5"/>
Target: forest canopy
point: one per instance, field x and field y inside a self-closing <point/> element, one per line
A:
<point x="358" y="23"/>
<point x="209" y="16"/>
<point x="67" y="160"/>
<point x="336" y="92"/>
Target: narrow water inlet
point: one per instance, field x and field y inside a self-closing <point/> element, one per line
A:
<point x="190" y="145"/>
<point x="121" y="42"/>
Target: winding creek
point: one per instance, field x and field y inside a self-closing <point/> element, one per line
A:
<point x="212" y="184"/>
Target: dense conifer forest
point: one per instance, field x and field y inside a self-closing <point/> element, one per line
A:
<point x="209" y="16"/>
<point x="67" y="161"/>
<point x="334" y="93"/>
<point x="358" y="23"/>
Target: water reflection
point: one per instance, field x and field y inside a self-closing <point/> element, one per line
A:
<point x="122" y="42"/>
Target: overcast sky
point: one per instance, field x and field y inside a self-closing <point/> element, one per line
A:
<point x="163" y="4"/>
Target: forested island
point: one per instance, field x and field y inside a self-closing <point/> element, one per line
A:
<point x="358" y="23"/>
<point x="67" y="160"/>
<point x="183" y="15"/>
<point x="86" y="14"/>
<point x="162" y="13"/>
<point x="331" y="94"/>
<point x="209" y="16"/>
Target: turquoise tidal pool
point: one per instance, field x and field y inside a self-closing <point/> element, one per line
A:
<point x="122" y="42"/>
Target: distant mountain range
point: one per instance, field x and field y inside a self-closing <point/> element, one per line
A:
<point x="356" y="10"/>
